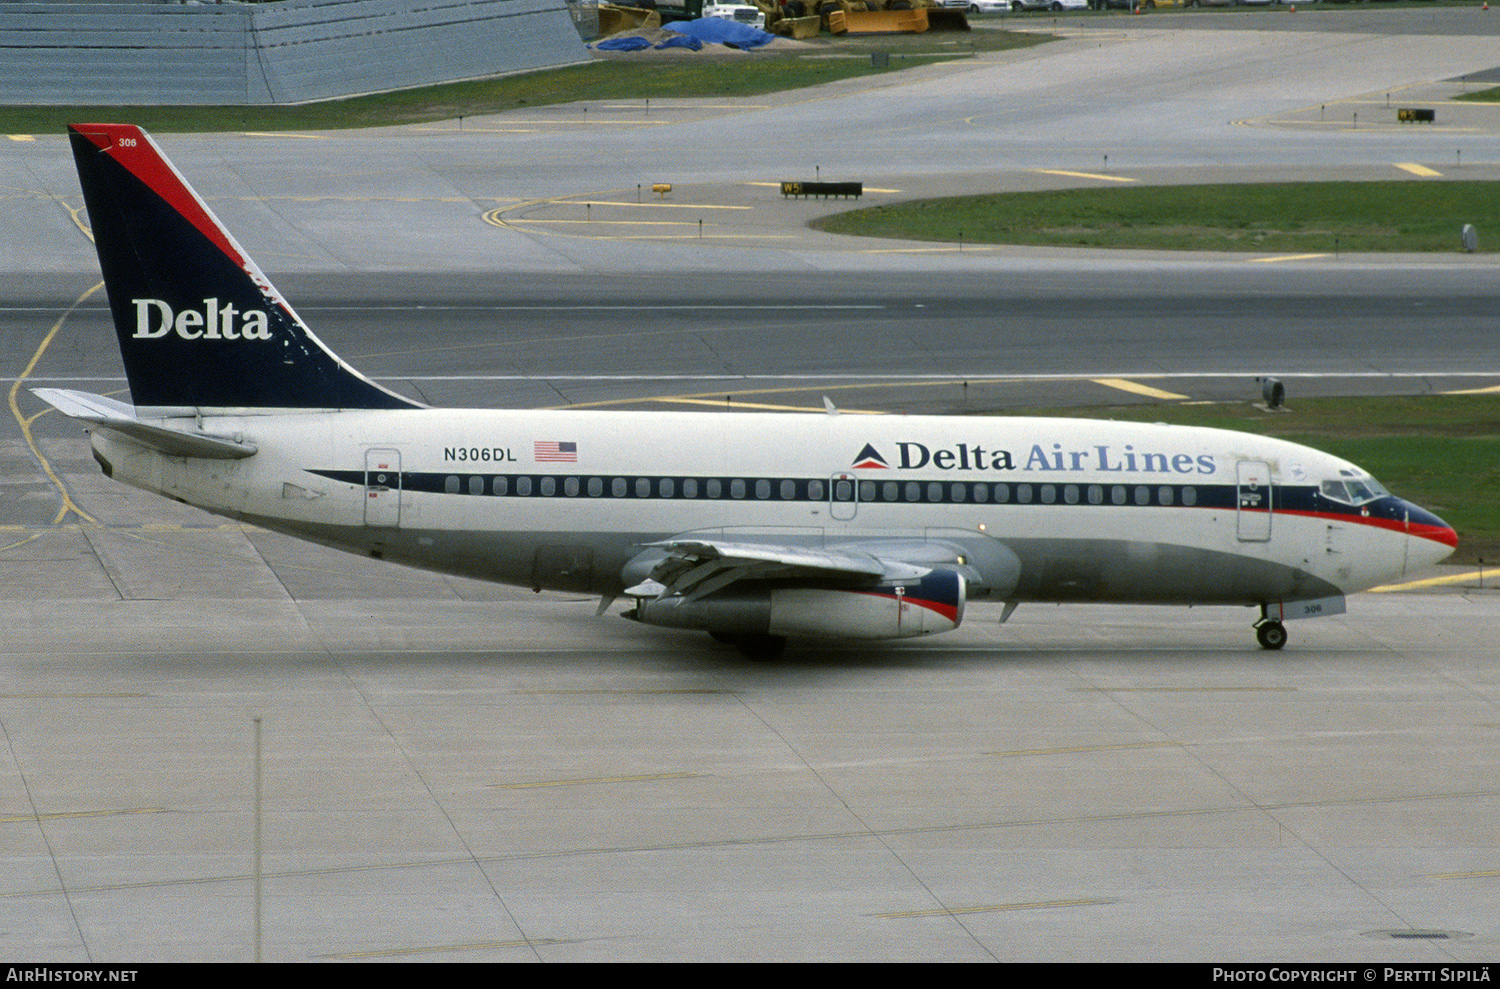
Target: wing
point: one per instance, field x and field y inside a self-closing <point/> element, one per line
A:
<point x="693" y="569"/>
<point x="853" y="591"/>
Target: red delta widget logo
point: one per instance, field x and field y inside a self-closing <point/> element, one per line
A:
<point x="1100" y="458"/>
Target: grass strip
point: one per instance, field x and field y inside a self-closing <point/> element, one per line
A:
<point x="751" y="74"/>
<point x="1440" y="451"/>
<point x="1292" y="218"/>
<point x="1482" y="96"/>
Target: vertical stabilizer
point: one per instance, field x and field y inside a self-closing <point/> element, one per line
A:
<point x="200" y="326"/>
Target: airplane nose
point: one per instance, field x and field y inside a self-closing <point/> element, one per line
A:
<point x="1433" y="540"/>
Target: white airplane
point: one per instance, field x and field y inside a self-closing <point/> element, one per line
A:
<point x="750" y="527"/>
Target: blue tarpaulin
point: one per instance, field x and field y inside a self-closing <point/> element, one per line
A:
<point x="627" y="44"/>
<point x="721" y="31"/>
<point x="681" y="41"/>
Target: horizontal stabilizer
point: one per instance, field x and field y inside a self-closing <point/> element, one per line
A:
<point x="121" y="418"/>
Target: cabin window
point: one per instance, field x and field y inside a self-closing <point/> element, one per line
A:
<point x="1348" y="490"/>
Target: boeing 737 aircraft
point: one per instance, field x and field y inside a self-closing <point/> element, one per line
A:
<point x="750" y="527"/>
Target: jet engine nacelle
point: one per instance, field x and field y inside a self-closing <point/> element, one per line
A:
<point x="896" y="610"/>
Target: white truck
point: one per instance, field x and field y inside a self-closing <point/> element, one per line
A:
<point x="743" y="13"/>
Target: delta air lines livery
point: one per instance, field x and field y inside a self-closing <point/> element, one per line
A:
<point x="752" y="528"/>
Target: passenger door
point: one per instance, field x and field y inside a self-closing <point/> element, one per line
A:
<point x="843" y="496"/>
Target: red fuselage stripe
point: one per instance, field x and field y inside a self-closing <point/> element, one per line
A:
<point x="1437" y="533"/>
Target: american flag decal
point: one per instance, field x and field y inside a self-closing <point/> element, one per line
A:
<point x="553" y="452"/>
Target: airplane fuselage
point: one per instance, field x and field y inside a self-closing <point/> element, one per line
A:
<point x="1031" y="509"/>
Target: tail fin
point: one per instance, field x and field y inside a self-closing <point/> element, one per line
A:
<point x="200" y="327"/>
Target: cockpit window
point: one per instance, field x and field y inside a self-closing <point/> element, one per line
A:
<point x="1354" y="489"/>
<point x="1335" y="490"/>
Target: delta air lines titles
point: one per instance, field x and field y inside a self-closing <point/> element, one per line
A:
<point x="1101" y="458"/>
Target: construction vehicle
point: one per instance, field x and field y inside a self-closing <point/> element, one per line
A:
<point x="892" y="17"/>
<point x="791" y="17"/>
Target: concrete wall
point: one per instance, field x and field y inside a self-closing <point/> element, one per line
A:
<point x="290" y="51"/>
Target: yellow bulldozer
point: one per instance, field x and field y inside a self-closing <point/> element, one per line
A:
<point x="892" y="17"/>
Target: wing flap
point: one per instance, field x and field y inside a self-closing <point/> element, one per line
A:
<point x="119" y="417"/>
<point x="696" y="568"/>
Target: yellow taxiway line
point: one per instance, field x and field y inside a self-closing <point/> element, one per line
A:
<point x="1136" y="388"/>
<point x="1412" y="585"/>
<point x="1286" y="257"/>
<point x="1085" y="175"/>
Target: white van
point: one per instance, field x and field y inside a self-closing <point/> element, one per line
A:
<point x="743" y="13"/>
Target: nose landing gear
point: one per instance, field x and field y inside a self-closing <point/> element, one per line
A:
<point x="1269" y="631"/>
<point x="1270" y="634"/>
